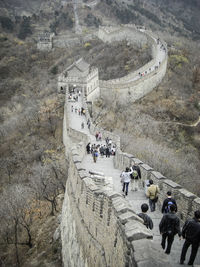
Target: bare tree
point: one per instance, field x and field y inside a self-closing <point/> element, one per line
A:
<point x="15" y="210"/>
<point x="47" y="184"/>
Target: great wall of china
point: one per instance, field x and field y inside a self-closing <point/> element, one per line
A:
<point x="99" y="227"/>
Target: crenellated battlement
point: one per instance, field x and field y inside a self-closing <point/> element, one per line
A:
<point x="45" y="41"/>
<point x="99" y="227"/>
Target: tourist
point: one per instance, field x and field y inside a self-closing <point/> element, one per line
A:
<point x="168" y="202"/>
<point x="107" y="140"/>
<point x="99" y="136"/>
<point x="135" y="176"/>
<point x="107" y="152"/>
<point x="191" y="233"/>
<point x="152" y="194"/>
<point x="72" y="108"/>
<point x="147" y="220"/>
<point x="125" y="179"/>
<point x="110" y="142"/>
<point x="96" y="136"/>
<point x="169" y="227"/>
<point x="102" y="150"/>
<point x="88" y="148"/>
<point x="82" y="125"/>
<point x="113" y="150"/>
<point x="95" y="155"/>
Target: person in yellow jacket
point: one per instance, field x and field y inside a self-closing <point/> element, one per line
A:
<point x="152" y="194"/>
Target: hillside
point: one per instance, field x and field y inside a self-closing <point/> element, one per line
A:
<point x="160" y="129"/>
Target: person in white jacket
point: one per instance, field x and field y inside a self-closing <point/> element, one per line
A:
<point x="125" y="179"/>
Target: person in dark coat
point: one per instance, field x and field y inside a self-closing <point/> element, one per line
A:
<point x="88" y="148"/>
<point x="107" y="152"/>
<point x="169" y="227"/>
<point x="191" y="233"/>
<point x="135" y="176"/>
<point x="168" y="202"/>
<point x="147" y="220"/>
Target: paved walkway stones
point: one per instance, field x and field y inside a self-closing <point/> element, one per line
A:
<point x="105" y="166"/>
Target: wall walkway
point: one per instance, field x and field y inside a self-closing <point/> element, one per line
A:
<point x="134" y="86"/>
<point x="99" y="226"/>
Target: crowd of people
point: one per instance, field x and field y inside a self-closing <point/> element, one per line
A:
<point x="169" y="225"/>
<point x="79" y="111"/>
<point x="162" y="48"/>
<point x="97" y="150"/>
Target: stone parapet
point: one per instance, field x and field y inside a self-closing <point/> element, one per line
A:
<point x="187" y="202"/>
<point x="132" y="87"/>
<point x="99" y="227"/>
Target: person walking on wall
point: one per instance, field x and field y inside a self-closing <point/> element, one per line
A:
<point x="95" y="155"/>
<point x="169" y="227"/>
<point x="147" y="220"/>
<point x="191" y="233"/>
<point x="135" y="176"/>
<point x="125" y="179"/>
<point x="152" y="194"/>
<point x="107" y="152"/>
<point x="168" y="202"/>
<point x="88" y="148"/>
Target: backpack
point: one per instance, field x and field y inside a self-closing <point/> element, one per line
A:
<point x="134" y="174"/>
<point x="145" y="219"/>
<point x="167" y="208"/>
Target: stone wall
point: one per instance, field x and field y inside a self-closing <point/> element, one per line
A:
<point x="45" y="41"/>
<point x="99" y="227"/>
<point x="187" y="202"/>
<point x="66" y="41"/>
<point x="134" y="90"/>
<point x="130" y="87"/>
<point x="123" y="32"/>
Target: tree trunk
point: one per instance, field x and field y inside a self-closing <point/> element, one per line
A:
<point x="52" y="208"/>
<point x="16" y="245"/>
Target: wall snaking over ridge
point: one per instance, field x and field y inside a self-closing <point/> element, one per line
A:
<point x="131" y="87"/>
<point x="99" y="227"/>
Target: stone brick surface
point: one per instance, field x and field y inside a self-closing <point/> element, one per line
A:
<point x="99" y="226"/>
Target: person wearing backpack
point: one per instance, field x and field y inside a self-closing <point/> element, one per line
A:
<point x="169" y="226"/>
<point x="147" y="220"/>
<point x="135" y="176"/>
<point x="152" y="194"/>
<point x="168" y="202"/>
<point x="191" y="233"/>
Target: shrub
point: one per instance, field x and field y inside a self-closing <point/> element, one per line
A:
<point x="87" y="46"/>
<point x="7" y="23"/>
<point x="25" y="28"/>
<point x="54" y="70"/>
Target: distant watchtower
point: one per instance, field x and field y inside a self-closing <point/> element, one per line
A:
<point x="81" y="74"/>
<point x="45" y="41"/>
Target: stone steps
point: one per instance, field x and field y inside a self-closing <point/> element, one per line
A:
<point x="135" y="198"/>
